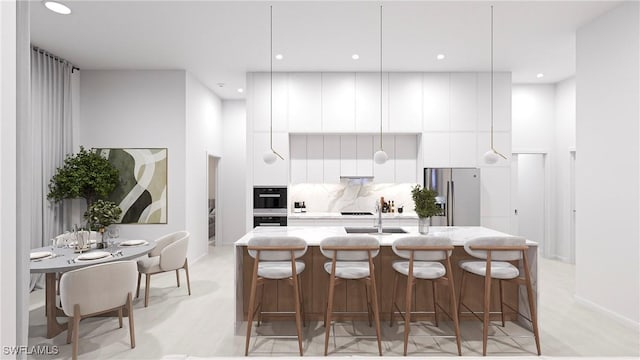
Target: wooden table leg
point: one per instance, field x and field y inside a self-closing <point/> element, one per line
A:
<point x="53" y="326"/>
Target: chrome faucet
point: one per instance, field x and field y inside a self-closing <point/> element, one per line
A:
<point x="379" y="211"/>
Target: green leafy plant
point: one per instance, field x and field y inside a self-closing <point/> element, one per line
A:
<point x="101" y="214"/>
<point x="83" y="175"/>
<point x="425" y="202"/>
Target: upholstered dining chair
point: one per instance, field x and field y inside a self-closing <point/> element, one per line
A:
<point x="96" y="290"/>
<point x="496" y="253"/>
<point x="428" y="259"/>
<point x="276" y="258"/>
<point x="351" y="258"/>
<point x="170" y="254"/>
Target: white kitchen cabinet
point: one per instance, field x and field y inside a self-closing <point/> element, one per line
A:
<point x="463" y="102"/>
<point x="367" y="102"/>
<point x="261" y="101"/>
<point x="331" y="162"/>
<point x="435" y="89"/>
<point x="270" y="174"/>
<point x="298" y="149"/>
<point x="495" y="194"/>
<point x="405" y="102"/>
<point x="463" y="149"/>
<point x="435" y="150"/>
<point x="406" y="155"/>
<point x="501" y="101"/>
<point x="385" y="173"/>
<point x="315" y="159"/>
<point x="338" y="102"/>
<point x="364" y="155"/>
<point x="348" y="155"/>
<point x="305" y="104"/>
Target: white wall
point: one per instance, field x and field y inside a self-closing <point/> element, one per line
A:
<point x="203" y="137"/>
<point x="565" y="141"/>
<point x="533" y="117"/>
<point x="607" y="167"/>
<point x="232" y="205"/>
<point x="8" y="306"/>
<point x="145" y="109"/>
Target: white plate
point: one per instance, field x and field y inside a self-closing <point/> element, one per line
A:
<point x="39" y="255"/>
<point x="94" y="255"/>
<point x="134" y="243"/>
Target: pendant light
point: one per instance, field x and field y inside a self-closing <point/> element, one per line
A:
<point x="271" y="155"/>
<point x="492" y="156"/>
<point x="380" y="156"/>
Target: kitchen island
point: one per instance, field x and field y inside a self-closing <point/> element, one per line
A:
<point x="351" y="297"/>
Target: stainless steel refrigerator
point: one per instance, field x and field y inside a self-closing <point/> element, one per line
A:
<point x="458" y="195"/>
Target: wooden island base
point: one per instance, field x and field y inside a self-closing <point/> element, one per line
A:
<point x="277" y="296"/>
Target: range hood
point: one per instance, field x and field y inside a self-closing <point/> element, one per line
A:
<point x="357" y="179"/>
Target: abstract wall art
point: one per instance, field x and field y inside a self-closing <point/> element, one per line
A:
<point x="142" y="192"/>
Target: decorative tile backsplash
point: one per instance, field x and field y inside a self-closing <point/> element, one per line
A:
<point x="350" y="196"/>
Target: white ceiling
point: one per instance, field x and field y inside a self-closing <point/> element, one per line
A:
<point x="219" y="42"/>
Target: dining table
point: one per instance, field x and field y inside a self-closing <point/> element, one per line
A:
<point x="63" y="259"/>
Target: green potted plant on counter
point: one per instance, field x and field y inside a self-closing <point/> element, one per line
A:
<point x="101" y="214"/>
<point x="425" y="206"/>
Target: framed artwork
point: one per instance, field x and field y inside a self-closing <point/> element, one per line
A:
<point x="142" y="192"/>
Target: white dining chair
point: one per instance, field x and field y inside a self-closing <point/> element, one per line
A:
<point x="276" y="258"/>
<point x="351" y="259"/>
<point x="170" y="254"/>
<point x="96" y="290"/>
<point x="497" y="253"/>
<point x="425" y="255"/>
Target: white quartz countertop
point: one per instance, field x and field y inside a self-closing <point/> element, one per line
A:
<point x="314" y="234"/>
<point x="337" y="215"/>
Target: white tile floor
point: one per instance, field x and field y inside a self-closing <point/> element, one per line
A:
<point x="202" y="325"/>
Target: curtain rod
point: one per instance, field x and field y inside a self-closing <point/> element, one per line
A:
<point x="46" y="53"/>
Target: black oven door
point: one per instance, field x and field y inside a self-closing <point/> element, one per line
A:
<point x="270" y="198"/>
<point x="269" y="221"/>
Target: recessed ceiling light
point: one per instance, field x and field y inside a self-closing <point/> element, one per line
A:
<point x="57" y="7"/>
<point x="279" y="56"/>
<point x="540" y="75"/>
<point x="440" y="56"/>
<point x="240" y="90"/>
<point x="355" y="56"/>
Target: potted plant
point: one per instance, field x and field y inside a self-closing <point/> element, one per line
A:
<point x="84" y="175"/>
<point x="425" y="206"/>
<point x="101" y="214"/>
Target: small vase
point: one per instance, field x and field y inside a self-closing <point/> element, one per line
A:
<point x="102" y="244"/>
<point x="423" y="225"/>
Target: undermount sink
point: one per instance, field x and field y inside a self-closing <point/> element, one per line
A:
<point x="373" y="230"/>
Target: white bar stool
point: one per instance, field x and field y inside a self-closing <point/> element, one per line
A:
<point x="425" y="254"/>
<point x="351" y="259"/>
<point x="496" y="252"/>
<point x="276" y="259"/>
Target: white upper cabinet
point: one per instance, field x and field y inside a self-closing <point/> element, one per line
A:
<point x="298" y="151"/>
<point x="435" y="101"/>
<point x="406" y="158"/>
<point x="331" y="163"/>
<point x="270" y="174"/>
<point x="315" y="159"/>
<point x="364" y="155"/>
<point x="338" y="102"/>
<point x="463" y="102"/>
<point x="348" y="155"/>
<point x="385" y="173"/>
<point x="405" y="102"/>
<point x="501" y="101"/>
<point x="367" y="102"/>
<point x="305" y="102"/>
<point x="262" y="98"/>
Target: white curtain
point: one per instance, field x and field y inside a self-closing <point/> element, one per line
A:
<point x="47" y="140"/>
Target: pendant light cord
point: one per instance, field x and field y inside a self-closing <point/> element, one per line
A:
<point x="381" y="82"/>
<point x="491" y="87"/>
<point x="271" y="82"/>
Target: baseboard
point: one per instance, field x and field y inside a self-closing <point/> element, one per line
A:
<point x="191" y="262"/>
<point x="617" y="317"/>
<point x="560" y="258"/>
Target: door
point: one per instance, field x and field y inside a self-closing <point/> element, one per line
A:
<point x="530" y="199"/>
<point x="572" y="207"/>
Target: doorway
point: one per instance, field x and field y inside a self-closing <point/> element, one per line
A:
<point x="530" y="198"/>
<point x="213" y="199"/>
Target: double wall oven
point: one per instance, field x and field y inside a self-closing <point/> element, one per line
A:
<point x="269" y="206"/>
